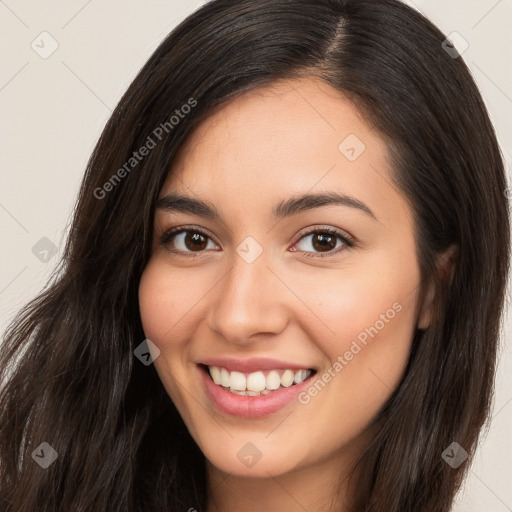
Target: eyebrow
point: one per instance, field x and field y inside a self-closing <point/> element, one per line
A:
<point x="285" y="208"/>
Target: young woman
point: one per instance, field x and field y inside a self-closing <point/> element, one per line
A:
<point x="283" y="283"/>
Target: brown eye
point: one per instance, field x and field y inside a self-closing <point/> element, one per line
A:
<point x="186" y="241"/>
<point x="324" y="242"/>
<point x="195" y="241"/>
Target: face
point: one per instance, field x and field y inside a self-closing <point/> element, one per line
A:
<point x="258" y="283"/>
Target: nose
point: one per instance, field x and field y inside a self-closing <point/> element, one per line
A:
<point x="249" y="302"/>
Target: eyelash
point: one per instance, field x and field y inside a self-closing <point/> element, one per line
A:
<point x="347" y="240"/>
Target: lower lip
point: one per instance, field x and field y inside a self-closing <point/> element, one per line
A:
<point x="250" y="406"/>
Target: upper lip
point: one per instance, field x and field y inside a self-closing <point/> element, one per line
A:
<point x="253" y="364"/>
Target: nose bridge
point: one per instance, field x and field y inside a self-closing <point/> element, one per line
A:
<point x="247" y="300"/>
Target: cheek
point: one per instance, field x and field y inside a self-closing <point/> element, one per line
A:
<point x="161" y="307"/>
<point x="154" y="304"/>
<point x="169" y="303"/>
<point x="368" y="321"/>
<point x="362" y="305"/>
<point x="373" y="315"/>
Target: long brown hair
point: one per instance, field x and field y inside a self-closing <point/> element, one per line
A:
<point x="67" y="367"/>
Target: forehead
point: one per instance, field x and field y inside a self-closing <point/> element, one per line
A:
<point x="285" y="139"/>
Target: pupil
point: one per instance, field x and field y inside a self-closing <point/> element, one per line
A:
<point x="323" y="241"/>
<point x="196" y="238"/>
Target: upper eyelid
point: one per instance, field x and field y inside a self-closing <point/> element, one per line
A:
<point x="318" y="228"/>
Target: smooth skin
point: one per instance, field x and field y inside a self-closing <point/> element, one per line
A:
<point x="299" y="301"/>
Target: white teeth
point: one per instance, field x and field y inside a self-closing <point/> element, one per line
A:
<point x="287" y="378"/>
<point x="300" y="376"/>
<point x="256" y="383"/>
<point x="273" y="380"/>
<point x="224" y="377"/>
<point x="237" y="381"/>
<point x="215" y="373"/>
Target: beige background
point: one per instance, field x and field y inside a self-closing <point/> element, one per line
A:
<point x="53" y="110"/>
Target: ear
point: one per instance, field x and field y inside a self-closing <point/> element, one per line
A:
<point x="445" y="269"/>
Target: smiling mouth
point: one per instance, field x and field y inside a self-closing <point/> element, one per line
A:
<point x="258" y="383"/>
